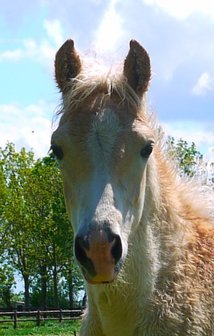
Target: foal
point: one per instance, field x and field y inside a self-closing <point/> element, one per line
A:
<point x="143" y="238"/>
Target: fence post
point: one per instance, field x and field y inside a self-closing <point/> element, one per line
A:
<point x="15" y="320"/>
<point x="38" y="320"/>
<point x="60" y="315"/>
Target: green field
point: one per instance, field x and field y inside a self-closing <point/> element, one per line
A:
<point x="48" y="329"/>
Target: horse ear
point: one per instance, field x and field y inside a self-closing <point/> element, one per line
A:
<point x="137" y="68"/>
<point x="67" y="64"/>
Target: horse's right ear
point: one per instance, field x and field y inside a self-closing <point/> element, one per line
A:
<point x="67" y="64"/>
<point x="137" y="68"/>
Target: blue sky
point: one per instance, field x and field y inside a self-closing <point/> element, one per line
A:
<point x="178" y="34"/>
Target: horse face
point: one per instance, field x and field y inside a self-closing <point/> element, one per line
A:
<point x="103" y="149"/>
<point x="103" y="158"/>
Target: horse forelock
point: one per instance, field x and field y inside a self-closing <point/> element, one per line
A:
<point x="96" y="81"/>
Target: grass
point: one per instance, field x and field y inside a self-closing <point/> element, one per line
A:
<point x="48" y="329"/>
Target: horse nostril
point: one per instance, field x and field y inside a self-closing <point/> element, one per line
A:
<point x="80" y="248"/>
<point x="116" y="250"/>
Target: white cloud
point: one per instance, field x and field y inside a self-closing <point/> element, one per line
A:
<point x="182" y="9"/>
<point x="11" y="55"/>
<point x="54" y="31"/>
<point x="110" y="30"/>
<point x="42" y="51"/>
<point x="26" y="126"/>
<point x="205" y="84"/>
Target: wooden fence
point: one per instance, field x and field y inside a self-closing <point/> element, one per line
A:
<point x="39" y="316"/>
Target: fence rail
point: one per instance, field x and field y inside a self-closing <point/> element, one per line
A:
<point x="39" y="316"/>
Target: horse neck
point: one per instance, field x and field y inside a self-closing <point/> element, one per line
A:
<point x="160" y="229"/>
<point x="166" y="196"/>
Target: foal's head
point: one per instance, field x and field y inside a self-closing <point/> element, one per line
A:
<point x="103" y="143"/>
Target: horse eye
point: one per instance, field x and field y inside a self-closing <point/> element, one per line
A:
<point x="147" y="149"/>
<point x="57" y="151"/>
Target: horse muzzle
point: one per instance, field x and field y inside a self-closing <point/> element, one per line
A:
<point x="98" y="252"/>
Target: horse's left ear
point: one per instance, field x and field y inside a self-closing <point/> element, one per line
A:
<point x="137" y="68"/>
<point x="67" y="64"/>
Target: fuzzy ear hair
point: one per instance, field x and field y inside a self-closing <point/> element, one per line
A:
<point x="67" y="64"/>
<point x="137" y="68"/>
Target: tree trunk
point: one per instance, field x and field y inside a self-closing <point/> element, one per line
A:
<point x="26" y="291"/>
<point x="55" y="279"/>
<point x="6" y="296"/>
<point x="70" y="289"/>
<point x="43" y="272"/>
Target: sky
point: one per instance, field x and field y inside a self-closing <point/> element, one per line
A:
<point x="178" y="35"/>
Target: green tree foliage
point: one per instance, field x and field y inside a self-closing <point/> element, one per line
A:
<point x="187" y="156"/>
<point x="49" y="211"/>
<point x="16" y="219"/>
<point x="36" y="235"/>
<point x="7" y="281"/>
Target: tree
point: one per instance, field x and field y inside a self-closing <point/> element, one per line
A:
<point x="52" y="225"/>
<point x="16" y="220"/>
<point x="74" y="281"/>
<point x="3" y="195"/>
<point x="36" y="236"/>
<point x="188" y="158"/>
<point x="54" y="233"/>
<point x="7" y="281"/>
